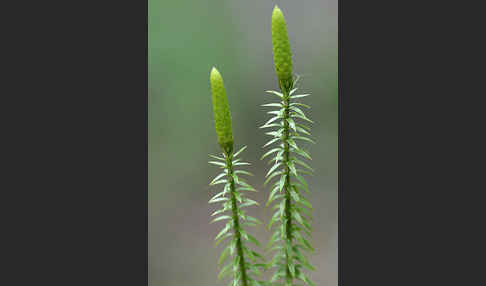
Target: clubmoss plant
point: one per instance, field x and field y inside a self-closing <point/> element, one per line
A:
<point x="243" y="263"/>
<point x="292" y="217"/>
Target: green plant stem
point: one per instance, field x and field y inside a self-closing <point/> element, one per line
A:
<point x="236" y="222"/>
<point x="288" y="217"/>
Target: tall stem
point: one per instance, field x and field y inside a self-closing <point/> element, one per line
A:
<point x="236" y="222"/>
<point x="288" y="217"/>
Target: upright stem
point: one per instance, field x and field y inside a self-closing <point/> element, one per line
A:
<point x="236" y="222"/>
<point x="288" y="217"/>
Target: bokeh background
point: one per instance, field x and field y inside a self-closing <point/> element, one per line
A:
<point x="188" y="37"/>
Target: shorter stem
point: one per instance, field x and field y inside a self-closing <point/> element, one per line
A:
<point x="236" y="221"/>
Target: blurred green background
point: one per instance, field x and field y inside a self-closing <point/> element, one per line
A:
<point x="186" y="38"/>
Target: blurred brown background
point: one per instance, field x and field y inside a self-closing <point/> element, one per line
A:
<point x="186" y="38"/>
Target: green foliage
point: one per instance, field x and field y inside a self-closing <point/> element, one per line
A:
<point x="291" y="218"/>
<point x="243" y="263"/>
<point x="222" y="116"/>
<point x="282" y="55"/>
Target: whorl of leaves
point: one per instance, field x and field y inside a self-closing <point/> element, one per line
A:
<point x="243" y="262"/>
<point x="291" y="220"/>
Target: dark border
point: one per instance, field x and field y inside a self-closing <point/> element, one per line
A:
<point x="401" y="182"/>
<point x="76" y="180"/>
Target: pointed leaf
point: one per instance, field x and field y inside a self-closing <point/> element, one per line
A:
<point x="272" y="105"/>
<point x="224" y="181"/>
<point x="302" y="130"/>
<point x="302" y="163"/>
<point x="212" y="201"/>
<point x="304" y="138"/>
<point x="275" y="217"/>
<point x="241" y="164"/>
<point x="271" y="125"/>
<point x="270" y="152"/>
<point x="272" y="194"/>
<point x="242" y="172"/>
<point x="223" y="231"/>
<point x="217" y="163"/>
<point x="301" y="104"/>
<point x="249" y="189"/>
<point x="219" y="211"/>
<point x="274" y="167"/>
<point x="305" y="203"/>
<point x="291" y="123"/>
<point x="275" y="92"/>
<point x="218" y="158"/>
<point x="295" y="195"/>
<point x="217" y="178"/>
<point x="271" y="176"/>
<point x="299" y="96"/>
<point x="270" y="121"/>
<point x="252" y="219"/>
<point x="292" y="168"/>
<point x="239" y="151"/>
<point x="217" y="195"/>
<point x="222" y="238"/>
<point x="282" y="182"/>
<point x="224" y="255"/>
<point x="271" y="142"/>
<point x="302" y="153"/>
<point x="221" y="218"/>
<point x="298" y="110"/>
<point x="248" y="202"/>
<point x="275" y="112"/>
<point x="292" y="91"/>
<point x="296" y="115"/>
